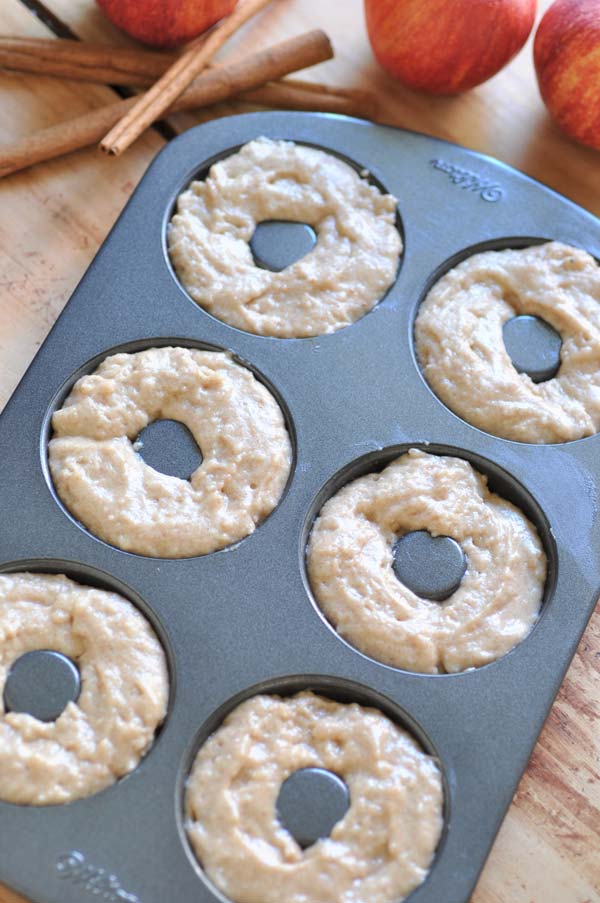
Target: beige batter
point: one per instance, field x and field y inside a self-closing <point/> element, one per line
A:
<point x="123" y="698"/>
<point x="377" y="853"/>
<point x="352" y="265"/>
<point x="106" y="485"/>
<point x="350" y="566"/>
<point x="459" y="342"/>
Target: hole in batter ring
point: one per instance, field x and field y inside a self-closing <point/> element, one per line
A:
<point x="41" y="683"/>
<point x="460" y="347"/>
<point x="107" y="486"/>
<point x="378" y="852"/>
<point x="352" y="265"/>
<point x="123" y="697"/>
<point x="350" y="566"/>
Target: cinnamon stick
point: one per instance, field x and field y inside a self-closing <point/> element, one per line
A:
<point x="152" y="105"/>
<point x="216" y="85"/>
<point x="292" y="94"/>
<point x="83" y="61"/>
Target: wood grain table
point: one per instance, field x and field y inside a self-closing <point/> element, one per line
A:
<point x="54" y="217"/>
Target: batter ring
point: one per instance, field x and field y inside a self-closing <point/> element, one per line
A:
<point x="458" y="336"/>
<point x="235" y="420"/>
<point x="352" y="265"/>
<point x="377" y="853"/>
<point x="350" y="566"/>
<point x="123" y="697"/>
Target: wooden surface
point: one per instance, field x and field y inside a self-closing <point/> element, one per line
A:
<point x="53" y="218"/>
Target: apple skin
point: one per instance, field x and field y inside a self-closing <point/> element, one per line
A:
<point x="566" y="54"/>
<point x="165" y="23"/>
<point x="447" y="46"/>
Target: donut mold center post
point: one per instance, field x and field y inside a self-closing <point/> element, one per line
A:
<point x="277" y="244"/>
<point x="42" y="683"/>
<point x="533" y="347"/>
<point x="310" y="802"/>
<point x="169" y="447"/>
<point x="431" y="566"/>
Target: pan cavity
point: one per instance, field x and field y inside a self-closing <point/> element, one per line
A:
<point x="255" y="238"/>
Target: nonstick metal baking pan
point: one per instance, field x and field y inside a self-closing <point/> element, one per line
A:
<point x="243" y="620"/>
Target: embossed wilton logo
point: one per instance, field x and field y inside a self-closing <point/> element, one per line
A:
<point x="73" y="867"/>
<point x="470" y="181"/>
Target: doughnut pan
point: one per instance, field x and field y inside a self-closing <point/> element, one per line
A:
<point x="242" y="619"/>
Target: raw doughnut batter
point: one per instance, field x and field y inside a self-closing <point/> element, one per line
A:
<point x="458" y="335"/>
<point x="351" y="267"/>
<point x="350" y="566"/>
<point x="235" y="420"/>
<point x="377" y="853"/>
<point x="123" y="698"/>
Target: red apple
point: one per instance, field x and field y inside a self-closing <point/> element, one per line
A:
<point x="447" y="46"/>
<point x="566" y="53"/>
<point x="165" y="23"/>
